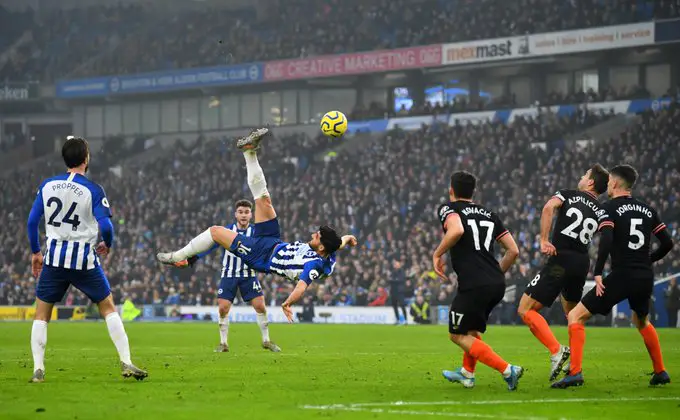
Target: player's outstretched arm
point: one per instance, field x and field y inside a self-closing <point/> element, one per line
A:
<point x="297" y="294"/>
<point x="511" y="251"/>
<point x="546" y="222"/>
<point x="348" y="240"/>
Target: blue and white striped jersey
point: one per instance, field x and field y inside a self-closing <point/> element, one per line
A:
<point x="73" y="205"/>
<point x="232" y="265"/>
<point x="298" y="261"/>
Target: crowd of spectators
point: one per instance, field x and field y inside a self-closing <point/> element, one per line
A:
<point x="386" y="193"/>
<point x="136" y="37"/>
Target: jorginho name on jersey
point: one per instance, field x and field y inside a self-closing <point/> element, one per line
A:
<point x="634" y="222"/>
<point x="579" y="217"/>
<point x="298" y="261"/>
<point x="232" y="265"/>
<point x="72" y="205"/>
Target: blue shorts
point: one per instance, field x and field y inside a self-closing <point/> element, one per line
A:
<point x="54" y="282"/>
<point x="249" y="286"/>
<point x="256" y="250"/>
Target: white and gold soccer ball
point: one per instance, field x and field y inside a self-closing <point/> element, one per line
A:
<point x="334" y="124"/>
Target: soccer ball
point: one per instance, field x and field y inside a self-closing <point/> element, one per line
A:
<point x="334" y="124"/>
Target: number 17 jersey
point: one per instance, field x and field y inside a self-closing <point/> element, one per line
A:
<point x="72" y="206"/>
<point x="473" y="257"/>
<point x="580" y="216"/>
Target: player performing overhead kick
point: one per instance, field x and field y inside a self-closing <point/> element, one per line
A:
<point x="237" y="276"/>
<point x="75" y="210"/>
<point x="469" y="231"/>
<point x="564" y="274"/>
<point x="626" y="236"/>
<point x="265" y="251"/>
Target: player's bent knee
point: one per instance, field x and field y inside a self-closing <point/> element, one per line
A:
<point x="106" y="306"/>
<point x="640" y="322"/>
<point x="43" y="311"/>
<point x="578" y="315"/>
<point x="223" y="306"/>
<point x="258" y="305"/>
<point x="456" y="338"/>
<point x="526" y="304"/>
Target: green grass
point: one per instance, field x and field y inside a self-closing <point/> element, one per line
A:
<point x="321" y="365"/>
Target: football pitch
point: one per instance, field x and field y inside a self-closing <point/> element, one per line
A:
<point x="325" y="371"/>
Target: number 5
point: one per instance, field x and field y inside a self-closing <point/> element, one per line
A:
<point x="634" y="223"/>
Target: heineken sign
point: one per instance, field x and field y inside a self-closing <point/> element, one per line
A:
<point x="18" y="91"/>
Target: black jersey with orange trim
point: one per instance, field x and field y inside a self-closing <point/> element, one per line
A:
<point x="473" y="257"/>
<point x="579" y="217"/>
<point x="634" y="222"/>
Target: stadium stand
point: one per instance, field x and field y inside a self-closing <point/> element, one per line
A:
<point x="121" y="39"/>
<point x="385" y="193"/>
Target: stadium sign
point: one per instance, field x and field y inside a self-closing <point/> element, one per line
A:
<point x="17" y="92"/>
<point x="485" y="51"/>
<point x="356" y="63"/>
<point x="161" y="81"/>
<point x="553" y="43"/>
<point x="594" y="39"/>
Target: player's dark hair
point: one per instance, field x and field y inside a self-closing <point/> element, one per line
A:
<point x="600" y="177"/>
<point x="75" y="152"/>
<point x="243" y="203"/>
<point x="626" y="173"/>
<point x="463" y="184"/>
<point x="330" y="239"/>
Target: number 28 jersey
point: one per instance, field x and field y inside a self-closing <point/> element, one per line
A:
<point x="473" y="257"/>
<point x="72" y="205"/>
<point x="580" y="216"/>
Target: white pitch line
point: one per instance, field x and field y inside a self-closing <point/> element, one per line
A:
<point x="486" y="402"/>
<point x="420" y="413"/>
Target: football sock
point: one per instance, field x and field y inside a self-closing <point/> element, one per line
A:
<point x="541" y="330"/>
<point x="119" y="337"/>
<point x="469" y="362"/>
<point x="200" y="243"/>
<point x="653" y="347"/>
<point x="263" y="323"/>
<point x="223" y="322"/>
<point x="485" y="354"/>
<point x="38" y="343"/>
<point x="577" y="339"/>
<point x="256" y="180"/>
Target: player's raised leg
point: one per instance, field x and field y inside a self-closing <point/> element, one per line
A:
<point x="528" y="310"/>
<point x="201" y="243"/>
<point x="43" y="314"/>
<point x="120" y="339"/>
<point x="264" y="210"/>
<point x="651" y="339"/>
